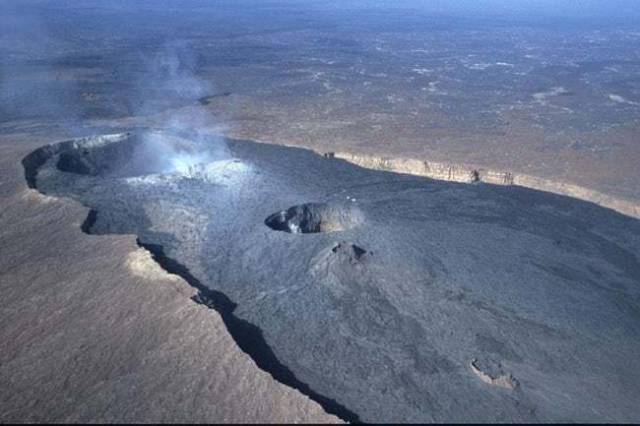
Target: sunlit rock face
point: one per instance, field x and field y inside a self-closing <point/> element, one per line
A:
<point x="388" y="297"/>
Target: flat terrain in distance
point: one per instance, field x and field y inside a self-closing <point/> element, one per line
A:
<point x="553" y="98"/>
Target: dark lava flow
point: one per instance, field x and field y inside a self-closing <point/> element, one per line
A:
<point x="385" y="289"/>
<point x="247" y="336"/>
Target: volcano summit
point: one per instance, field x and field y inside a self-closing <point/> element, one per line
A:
<point x="389" y="297"/>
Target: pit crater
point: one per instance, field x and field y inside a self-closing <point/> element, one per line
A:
<point x="133" y="155"/>
<point x="313" y="218"/>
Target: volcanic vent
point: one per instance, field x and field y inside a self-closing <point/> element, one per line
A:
<point x="313" y="218"/>
<point x="132" y="155"/>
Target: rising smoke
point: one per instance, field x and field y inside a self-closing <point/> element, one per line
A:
<point x="170" y="77"/>
<point x="55" y="71"/>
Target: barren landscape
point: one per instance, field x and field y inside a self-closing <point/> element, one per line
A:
<point x="270" y="211"/>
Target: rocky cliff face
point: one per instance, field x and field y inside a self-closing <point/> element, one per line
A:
<point x="468" y="174"/>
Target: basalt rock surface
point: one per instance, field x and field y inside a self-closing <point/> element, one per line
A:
<point x="441" y="301"/>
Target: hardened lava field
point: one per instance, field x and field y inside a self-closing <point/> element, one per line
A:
<point x="387" y="294"/>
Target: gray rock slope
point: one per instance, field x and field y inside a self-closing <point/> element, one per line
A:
<point x="392" y="297"/>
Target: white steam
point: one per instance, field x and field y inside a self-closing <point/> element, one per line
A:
<point x="190" y="138"/>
